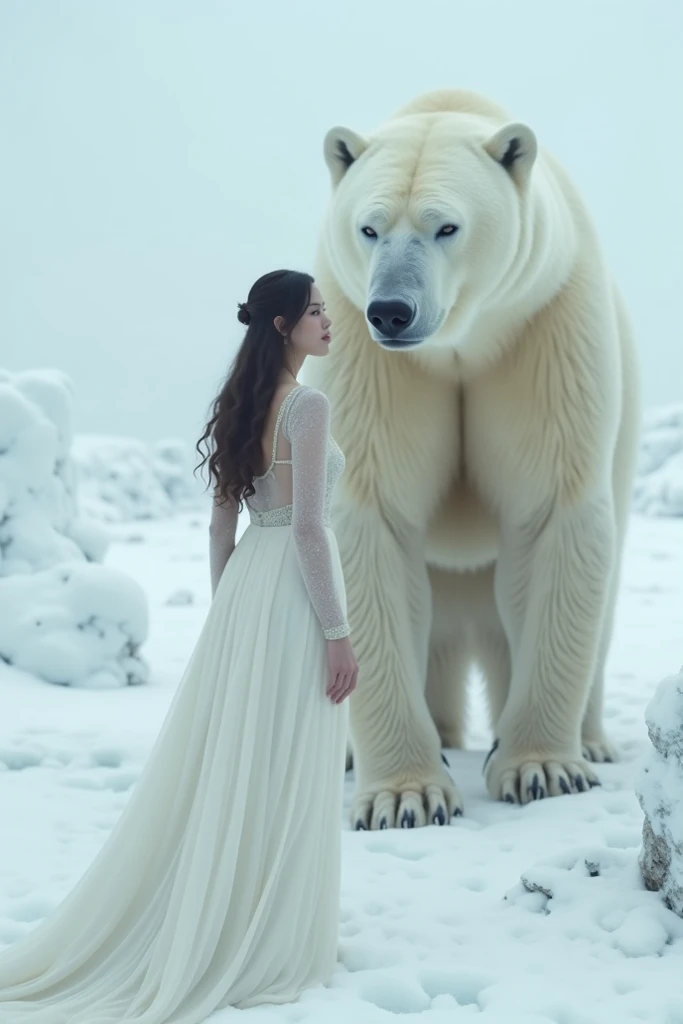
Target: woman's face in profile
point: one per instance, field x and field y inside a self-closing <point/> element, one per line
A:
<point x="311" y="336"/>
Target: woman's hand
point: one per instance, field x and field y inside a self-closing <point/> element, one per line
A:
<point x="342" y="670"/>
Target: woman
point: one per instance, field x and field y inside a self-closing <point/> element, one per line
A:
<point x="219" y="884"/>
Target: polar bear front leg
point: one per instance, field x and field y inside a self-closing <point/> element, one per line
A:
<point x="552" y="582"/>
<point x="596" y="746"/>
<point x="401" y="780"/>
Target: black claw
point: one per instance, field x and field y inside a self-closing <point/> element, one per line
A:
<point x="439" y="816"/>
<point x="579" y="783"/>
<point x="457" y="813"/>
<point x="445" y="760"/>
<point x="408" y="819"/>
<point x="361" y="826"/>
<point x="594" y="782"/>
<point x="608" y="760"/>
<point x="494" y="748"/>
<point x="383" y="823"/>
<point x="509" y="798"/>
<point x="535" y="787"/>
<point x="564" y="785"/>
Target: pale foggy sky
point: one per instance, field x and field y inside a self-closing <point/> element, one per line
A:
<point x="158" y="156"/>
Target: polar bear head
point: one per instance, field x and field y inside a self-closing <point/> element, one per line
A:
<point x="431" y="223"/>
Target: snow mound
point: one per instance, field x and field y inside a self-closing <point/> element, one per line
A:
<point x="76" y="624"/>
<point x="62" y="617"/>
<point x="593" y="900"/>
<point x="123" y="478"/>
<point x="658" y="488"/>
<point x="660" y="792"/>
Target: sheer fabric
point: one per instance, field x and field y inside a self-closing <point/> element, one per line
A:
<point x="296" y="490"/>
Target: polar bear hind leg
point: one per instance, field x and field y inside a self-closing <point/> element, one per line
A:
<point x="466" y="630"/>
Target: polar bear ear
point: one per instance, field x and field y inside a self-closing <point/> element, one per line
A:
<point x="342" y="148"/>
<point x="514" y="147"/>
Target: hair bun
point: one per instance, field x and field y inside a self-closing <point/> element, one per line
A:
<point x="243" y="314"/>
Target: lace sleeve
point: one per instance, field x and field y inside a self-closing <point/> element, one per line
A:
<point x="307" y="429"/>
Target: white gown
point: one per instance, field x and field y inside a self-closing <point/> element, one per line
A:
<point x="219" y="884"/>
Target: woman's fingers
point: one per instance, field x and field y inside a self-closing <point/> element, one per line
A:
<point x="345" y="689"/>
<point x="342" y="685"/>
<point x="336" y="687"/>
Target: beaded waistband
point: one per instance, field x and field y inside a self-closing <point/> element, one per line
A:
<point x="272" y="516"/>
<point x="276" y="517"/>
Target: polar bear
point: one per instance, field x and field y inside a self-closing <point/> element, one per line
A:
<point x="485" y="390"/>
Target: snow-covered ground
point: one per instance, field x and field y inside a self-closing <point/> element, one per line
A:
<point x="437" y="924"/>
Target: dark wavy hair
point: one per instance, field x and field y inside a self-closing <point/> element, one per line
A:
<point x="233" y="434"/>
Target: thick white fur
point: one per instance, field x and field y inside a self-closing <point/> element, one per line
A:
<point x="482" y="513"/>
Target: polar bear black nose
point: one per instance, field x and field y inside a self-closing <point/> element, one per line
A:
<point x="390" y="317"/>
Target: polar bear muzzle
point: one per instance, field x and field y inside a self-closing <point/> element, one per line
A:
<point x="400" y="309"/>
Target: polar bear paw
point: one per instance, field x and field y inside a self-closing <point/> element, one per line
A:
<point x="522" y="779"/>
<point x="599" y="750"/>
<point x="407" y="804"/>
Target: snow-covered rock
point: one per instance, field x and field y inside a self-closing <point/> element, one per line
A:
<point x="660" y="792"/>
<point x="658" y="488"/>
<point x="63" y="617"/>
<point x="123" y="478"/>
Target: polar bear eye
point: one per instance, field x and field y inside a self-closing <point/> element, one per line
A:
<point x="447" y="230"/>
<point x="368" y="232"/>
